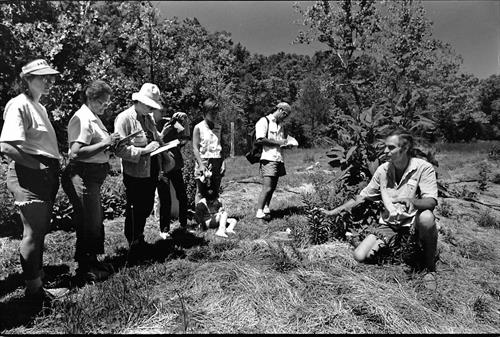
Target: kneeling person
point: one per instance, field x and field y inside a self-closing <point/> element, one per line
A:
<point x="407" y="187"/>
<point x="210" y="213"/>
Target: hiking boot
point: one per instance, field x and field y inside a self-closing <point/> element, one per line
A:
<point x="94" y="271"/>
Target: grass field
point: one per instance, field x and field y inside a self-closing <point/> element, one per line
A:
<point x="258" y="282"/>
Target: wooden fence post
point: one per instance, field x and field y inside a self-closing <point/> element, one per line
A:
<point x="232" y="140"/>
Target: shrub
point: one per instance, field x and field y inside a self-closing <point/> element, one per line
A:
<point x="486" y="219"/>
<point x="494" y="152"/>
<point x="113" y="197"/>
<point x="484" y="172"/>
<point x="188" y="173"/>
<point x="330" y="193"/>
<point x="445" y="208"/>
<point x="9" y="219"/>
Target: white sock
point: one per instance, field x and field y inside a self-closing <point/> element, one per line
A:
<point x="260" y="213"/>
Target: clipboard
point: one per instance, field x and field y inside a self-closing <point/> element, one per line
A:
<point x="127" y="138"/>
<point x="165" y="147"/>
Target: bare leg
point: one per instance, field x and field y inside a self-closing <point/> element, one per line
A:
<point x="222" y="225"/>
<point x="232" y="223"/>
<point x="427" y="234"/>
<point x="36" y="221"/>
<point x="367" y="248"/>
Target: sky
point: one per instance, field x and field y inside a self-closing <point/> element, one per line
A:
<point x="472" y="28"/>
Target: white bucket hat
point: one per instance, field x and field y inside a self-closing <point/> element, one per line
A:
<point x="38" y="67"/>
<point x="149" y="95"/>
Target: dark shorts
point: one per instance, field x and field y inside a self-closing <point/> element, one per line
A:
<point x="29" y="185"/>
<point x="272" y="168"/>
<point x="387" y="233"/>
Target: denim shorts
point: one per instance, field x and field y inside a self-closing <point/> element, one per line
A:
<point x="29" y="185"/>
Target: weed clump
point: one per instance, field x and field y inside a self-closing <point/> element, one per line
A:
<point x="486" y="219"/>
<point x="445" y="208"/>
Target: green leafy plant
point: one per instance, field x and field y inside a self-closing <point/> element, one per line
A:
<point x="486" y="219"/>
<point x="484" y="172"/>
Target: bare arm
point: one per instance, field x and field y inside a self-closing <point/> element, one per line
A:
<point x="82" y="151"/>
<point x="347" y="206"/>
<point x="196" y="146"/>
<point x="12" y="150"/>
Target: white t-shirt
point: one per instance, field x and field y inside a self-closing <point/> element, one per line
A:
<point x="86" y="128"/>
<point x="27" y="121"/>
<point x="275" y="132"/>
<point x="210" y="140"/>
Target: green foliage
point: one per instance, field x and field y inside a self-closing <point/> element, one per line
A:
<point x="445" y="209"/>
<point x="188" y="174"/>
<point x="486" y="219"/>
<point x="329" y="192"/>
<point x="10" y="223"/>
<point x="484" y="172"/>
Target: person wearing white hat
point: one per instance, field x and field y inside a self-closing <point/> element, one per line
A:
<point x="29" y="139"/>
<point x="140" y="173"/>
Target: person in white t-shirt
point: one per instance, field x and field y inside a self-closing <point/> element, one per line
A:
<point x="271" y="135"/>
<point x="89" y="153"/>
<point x="29" y="139"/>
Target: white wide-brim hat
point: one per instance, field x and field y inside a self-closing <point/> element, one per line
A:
<point x="149" y="95"/>
<point x="38" y="67"/>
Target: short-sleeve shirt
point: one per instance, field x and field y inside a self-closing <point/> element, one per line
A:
<point x="126" y="123"/>
<point x="418" y="181"/>
<point x="87" y="128"/>
<point x="173" y="133"/>
<point x="273" y="131"/>
<point x="210" y="140"/>
<point x="27" y="121"/>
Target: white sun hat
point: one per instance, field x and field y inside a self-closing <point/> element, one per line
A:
<point x="149" y="95"/>
<point x="38" y="67"/>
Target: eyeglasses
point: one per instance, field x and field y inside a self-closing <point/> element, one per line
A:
<point x="47" y="78"/>
<point x="103" y="102"/>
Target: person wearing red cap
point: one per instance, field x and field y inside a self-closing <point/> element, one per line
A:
<point x="29" y="139"/>
<point x="140" y="173"/>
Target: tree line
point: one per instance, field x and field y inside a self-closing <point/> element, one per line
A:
<point x="381" y="67"/>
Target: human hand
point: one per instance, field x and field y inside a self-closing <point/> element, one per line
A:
<point x="152" y="146"/>
<point x="223" y="167"/>
<point x="180" y="116"/>
<point x="407" y="202"/>
<point x="111" y="139"/>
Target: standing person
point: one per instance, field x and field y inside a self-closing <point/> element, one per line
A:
<point x="140" y="173"/>
<point x="171" y="170"/>
<point x="207" y="149"/>
<point x="89" y="151"/>
<point x="271" y="135"/>
<point x="29" y="139"/>
<point x="407" y="187"/>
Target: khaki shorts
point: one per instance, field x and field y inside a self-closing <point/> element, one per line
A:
<point x="272" y="168"/>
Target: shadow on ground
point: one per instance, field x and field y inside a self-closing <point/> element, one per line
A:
<point x="281" y="213"/>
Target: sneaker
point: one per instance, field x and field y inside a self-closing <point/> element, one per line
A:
<point x="221" y="234"/>
<point x="267" y="210"/>
<point x="260" y="214"/>
<point x="164" y="235"/>
<point x="46" y="295"/>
